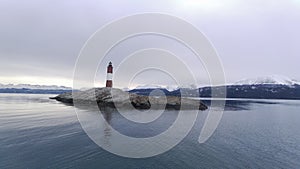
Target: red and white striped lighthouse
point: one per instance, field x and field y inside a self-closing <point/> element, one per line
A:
<point x="109" y="75"/>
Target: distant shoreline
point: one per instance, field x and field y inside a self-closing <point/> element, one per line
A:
<point x="33" y="91"/>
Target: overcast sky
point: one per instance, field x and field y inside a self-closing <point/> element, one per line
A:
<point x="41" y="39"/>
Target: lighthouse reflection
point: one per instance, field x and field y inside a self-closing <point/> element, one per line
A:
<point x="107" y="115"/>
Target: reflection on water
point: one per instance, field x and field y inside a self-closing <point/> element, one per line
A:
<point x="107" y="114"/>
<point x="37" y="132"/>
<point x="240" y="104"/>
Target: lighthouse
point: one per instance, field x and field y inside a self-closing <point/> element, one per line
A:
<point x="109" y="75"/>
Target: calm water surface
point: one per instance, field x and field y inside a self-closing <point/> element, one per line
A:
<point x="36" y="132"/>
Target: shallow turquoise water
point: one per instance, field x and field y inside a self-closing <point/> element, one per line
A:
<point x="36" y="132"/>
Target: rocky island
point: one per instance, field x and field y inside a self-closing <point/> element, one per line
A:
<point x="112" y="97"/>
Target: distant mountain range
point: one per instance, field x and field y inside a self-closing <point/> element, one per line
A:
<point x="35" y="89"/>
<point x="273" y="87"/>
<point x="269" y="80"/>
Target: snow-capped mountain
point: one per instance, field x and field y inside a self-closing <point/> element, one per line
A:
<point x="29" y="86"/>
<point x="272" y="87"/>
<point x="151" y="86"/>
<point x="147" y="89"/>
<point x="275" y="80"/>
<point x="169" y="88"/>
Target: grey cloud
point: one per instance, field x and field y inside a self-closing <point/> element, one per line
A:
<point x="253" y="38"/>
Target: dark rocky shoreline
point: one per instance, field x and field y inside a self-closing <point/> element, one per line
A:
<point x="112" y="97"/>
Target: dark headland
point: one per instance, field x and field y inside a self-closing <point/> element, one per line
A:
<point x="112" y="97"/>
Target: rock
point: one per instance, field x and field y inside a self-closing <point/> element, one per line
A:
<point x="113" y="97"/>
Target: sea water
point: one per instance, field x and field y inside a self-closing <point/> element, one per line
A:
<point x="36" y="132"/>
